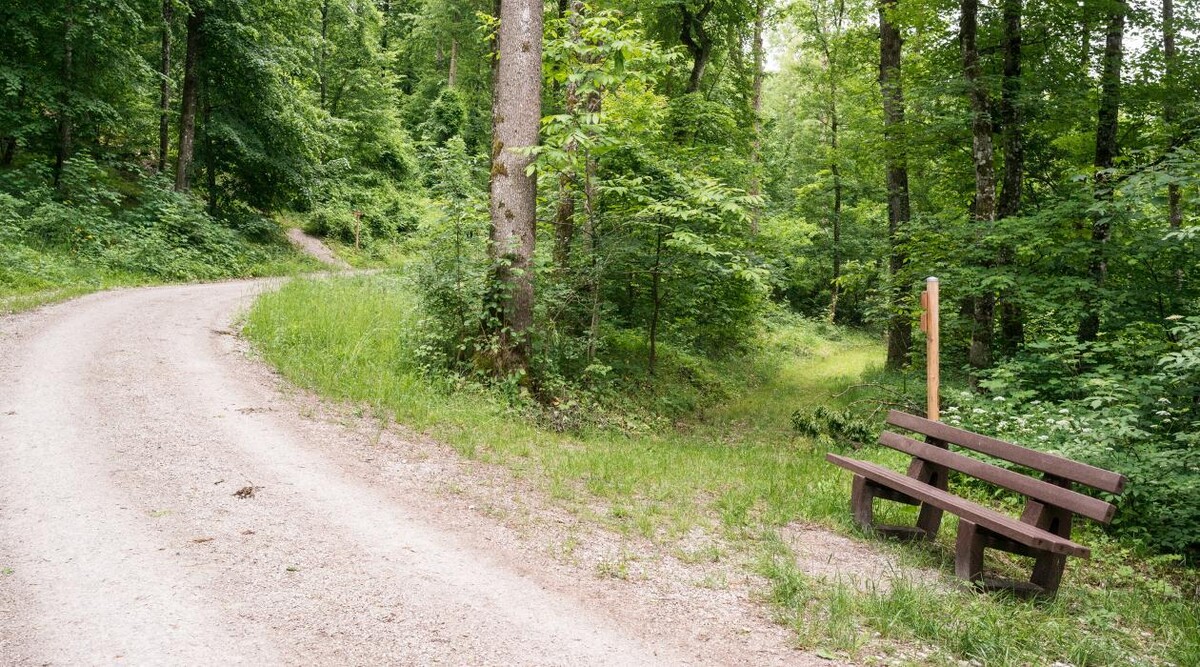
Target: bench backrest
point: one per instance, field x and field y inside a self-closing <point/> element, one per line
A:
<point x="1061" y="471"/>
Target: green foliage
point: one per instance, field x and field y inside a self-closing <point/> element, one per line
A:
<point x="100" y="228"/>
<point x="451" y="275"/>
<point x="829" y="427"/>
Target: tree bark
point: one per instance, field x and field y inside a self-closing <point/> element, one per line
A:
<point x="385" y="9"/>
<point x="697" y="40"/>
<point x="1107" y="119"/>
<point x="896" y="154"/>
<point x="834" y="168"/>
<point x="323" y="54"/>
<point x="1085" y="38"/>
<point x="164" y="92"/>
<point x="755" y="190"/>
<point x="516" y="118"/>
<point x="210" y="160"/>
<point x="984" y="303"/>
<point x="835" y="288"/>
<point x="564" y="218"/>
<point x="9" y="153"/>
<point x="63" y="152"/>
<point x="187" y="111"/>
<point x="655" y="299"/>
<point x="1170" y="72"/>
<point x="1012" y="327"/>
<point x="594" y="104"/>
<point x="452" y="77"/>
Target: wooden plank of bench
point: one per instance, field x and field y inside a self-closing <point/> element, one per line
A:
<point x="1092" y="508"/>
<point x="988" y="518"/>
<point x="1097" y="478"/>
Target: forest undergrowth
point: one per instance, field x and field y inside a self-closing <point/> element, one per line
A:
<point x="710" y="445"/>
<point x="106" y="227"/>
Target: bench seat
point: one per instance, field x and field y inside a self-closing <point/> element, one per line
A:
<point x="990" y="519"/>
<point x="1045" y="480"/>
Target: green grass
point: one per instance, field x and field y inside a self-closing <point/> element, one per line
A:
<point x="33" y="277"/>
<point x="732" y="468"/>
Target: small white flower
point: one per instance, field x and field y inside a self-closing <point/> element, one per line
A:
<point x="1064" y="411"/>
<point x="1164" y="400"/>
<point x="978" y="411"/>
<point x="1043" y="438"/>
<point x="999" y="399"/>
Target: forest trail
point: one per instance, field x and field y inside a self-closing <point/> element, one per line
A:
<point x="162" y="501"/>
<point x="315" y="247"/>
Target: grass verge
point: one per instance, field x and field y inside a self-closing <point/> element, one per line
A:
<point x="734" y="469"/>
<point x="33" y="277"/>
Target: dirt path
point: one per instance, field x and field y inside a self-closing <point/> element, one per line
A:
<point x="129" y="419"/>
<point x="315" y="247"/>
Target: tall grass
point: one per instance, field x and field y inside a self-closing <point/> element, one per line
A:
<point x="734" y="470"/>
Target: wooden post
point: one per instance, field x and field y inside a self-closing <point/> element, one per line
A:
<point x="357" y="228"/>
<point x="931" y="324"/>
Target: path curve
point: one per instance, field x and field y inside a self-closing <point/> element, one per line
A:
<point x="128" y="419"/>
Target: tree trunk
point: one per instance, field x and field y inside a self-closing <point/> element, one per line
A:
<point x="836" y="214"/>
<point x="516" y="117"/>
<point x="1106" y="153"/>
<point x="1170" y="72"/>
<point x="834" y="169"/>
<point x="1012" y="327"/>
<point x="452" y="78"/>
<point x="896" y="154"/>
<point x="164" y="91"/>
<point x="755" y="190"/>
<point x="323" y="54"/>
<point x="9" y="153"/>
<point x="564" y="218"/>
<point x="385" y="9"/>
<point x="594" y="105"/>
<point x="187" y="111"/>
<point x="1085" y="38"/>
<point x="210" y="161"/>
<point x="698" y="41"/>
<point x="984" y="303"/>
<point x="655" y="300"/>
<point x="64" y="104"/>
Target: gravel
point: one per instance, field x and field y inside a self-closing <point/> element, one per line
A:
<point x="167" y="499"/>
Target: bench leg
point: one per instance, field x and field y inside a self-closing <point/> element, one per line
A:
<point x="862" y="508"/>
<point x="968" y="553"/>
<point x="1048" y="572"/>
<point x="929" y="520"/>
<point x="862" y="502"/>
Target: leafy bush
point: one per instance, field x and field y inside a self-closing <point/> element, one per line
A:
<point x="104" y="221"/>
<point x="1140" y="417"/>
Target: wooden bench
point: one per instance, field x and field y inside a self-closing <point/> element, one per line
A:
<point x="1044" y="529"/>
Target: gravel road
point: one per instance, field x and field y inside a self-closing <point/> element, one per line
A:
<point x="129" y="420"/>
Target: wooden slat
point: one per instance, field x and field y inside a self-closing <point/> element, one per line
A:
<point x="1050" y="494"/>
<point x="1097" y="478"/>
<point x="983" y="516"/>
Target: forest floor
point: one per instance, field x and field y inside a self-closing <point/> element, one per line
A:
<point x="166" y="498"/>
